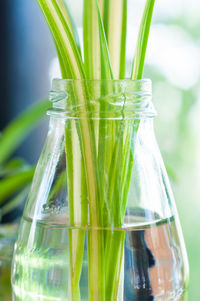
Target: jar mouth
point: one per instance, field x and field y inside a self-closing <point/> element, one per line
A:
<point x="63" y="81"/>
<point x="114" y="99"/>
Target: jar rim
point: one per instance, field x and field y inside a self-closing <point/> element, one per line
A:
<point x="122" y="98"/>
<point x="127" y="80"/>
<point x="145" y="83"/>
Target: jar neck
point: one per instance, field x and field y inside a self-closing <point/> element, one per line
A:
<point x="105" y="99"/>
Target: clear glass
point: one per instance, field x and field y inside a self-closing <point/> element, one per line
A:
<point x="100" y="222"/>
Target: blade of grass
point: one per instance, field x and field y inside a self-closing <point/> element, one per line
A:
<point x="66" y="14"/>
<point x="114" y="253"/>
<point x="88" y="149"/>
<point x="98" y="66"/>
<point x="115" y="240"/>
<point x="64" y="66"/>
<point x="101" y="6"/>
<point x="78" y="209"/>
<point x="78" y="206"/>
<point x="95" y="49"/>
<point x="106" y="69"/>
<point x="137" y="73"/>
<point x="115" y="23"/>
<point x="58" y="186"/>
<point x="92" y="52"/>
<point x="105" y="127"/>
<point x="69" y="52"/>
<point x="138" y="64"/>
<point x="96" y="54"/>
<point x="18" y="129"/>
<point x="97" y="61"/>
<point x="64" y="39"/>
<point x="122" y="196"/>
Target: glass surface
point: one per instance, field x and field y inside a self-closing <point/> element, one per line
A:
<point x="100" y="222"/>
<point x="152" y="267"/>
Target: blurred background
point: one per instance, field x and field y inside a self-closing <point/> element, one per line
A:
<point x="28" y="63"/>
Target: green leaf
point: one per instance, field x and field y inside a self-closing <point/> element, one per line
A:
<point x="138" y="64"/>
<point x="96" y="54"/>
<point x="18" y="129"/>
<point x="106" y="69"/>
<point x="115" y="24"/>
<point x="92" y="52"/>
<point x="59" y="184"/>
<point x="11" y="184"/>
<point x="66" y="14"/>
<point x="61" y="28"/>
<point x="71" y="24"/>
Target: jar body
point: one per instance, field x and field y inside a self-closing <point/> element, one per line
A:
<point x="100" y="222"/>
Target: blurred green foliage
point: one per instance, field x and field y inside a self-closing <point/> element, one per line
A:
<point x="16" y="174"/>
<point x="15" y="178"/>
<point x="177" y="100"/>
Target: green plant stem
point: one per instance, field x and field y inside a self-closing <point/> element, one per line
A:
<point x="89" y="158"/>
<point x="77" y="196"/>
<point x="137" y="73"/>
<point x="138" y="64"/>
<point x="106" y="69"/>
<point x="105" y="127"/>
<point x="115" y="21"/>
<point x="118" y="241"/>
<point x="113" y="256"/>
<point x="98" y="65"/>
<point x="96" y="265"/>
<point x="92" y="51"/>
<point x="68" y="51"/>
<point x="63" y="36"/>
<point x="77" y="143"/>
<point x="69" y="68"/>
<point x="88" y="149"/>
<point x="115" y="24"/>
<point x="66" y="13"/>
<point x="76" y="247"/>
<point x="115" y="240"/>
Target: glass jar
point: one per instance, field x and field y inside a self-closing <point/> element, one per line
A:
<point x="100" y="222"/>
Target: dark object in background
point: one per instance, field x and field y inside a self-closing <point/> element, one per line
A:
<point x="25" y="53"/>
<point x="142" y="259"/>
